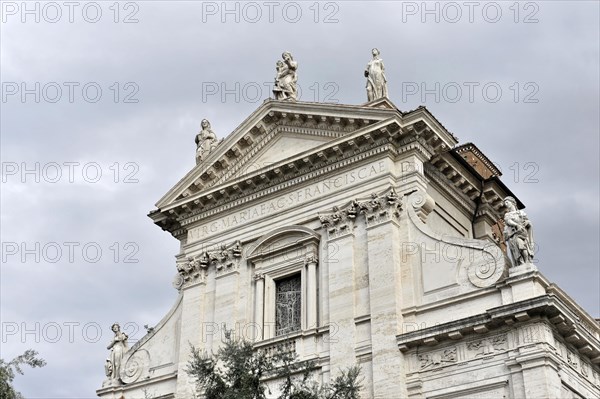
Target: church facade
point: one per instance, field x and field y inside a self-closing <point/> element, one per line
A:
<point x="359" y="234"/>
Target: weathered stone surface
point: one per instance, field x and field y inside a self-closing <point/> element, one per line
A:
<point x="391" y="238"/>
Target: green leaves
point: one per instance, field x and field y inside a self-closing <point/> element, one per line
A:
<point x="7" y="372"/>
<point x="238" y="371"/>
<point x="234" y="372"/>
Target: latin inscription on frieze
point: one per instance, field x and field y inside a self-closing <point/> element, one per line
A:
<point x="306" y="194"/>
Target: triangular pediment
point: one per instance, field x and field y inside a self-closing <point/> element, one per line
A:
<point x="284" y="141"/>
<point x="282" y="146"/>
<point x="275" y="131"/>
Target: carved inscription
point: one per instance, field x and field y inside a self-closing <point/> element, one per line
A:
<point x="276" y="205"/>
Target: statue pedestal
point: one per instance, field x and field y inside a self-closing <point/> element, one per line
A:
<point x="523" y="282"/>
<point x="521" y="269"/>
<point x="111" y="382"/>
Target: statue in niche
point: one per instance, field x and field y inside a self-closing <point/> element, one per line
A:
<point x="206" y="141"/>
<point x="117" y="348"/>
<point x="376" y="80"/>
<point x="285" y="81"/>
<point x="518" y="233"/>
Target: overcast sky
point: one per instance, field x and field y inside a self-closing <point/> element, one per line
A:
<point x="528" y="77"/>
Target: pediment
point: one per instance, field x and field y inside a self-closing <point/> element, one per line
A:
<point x="281" y="147"/>
<point x="275" y="131"/>
<point x="283" y="239"/>
<point x="284" y="141"/>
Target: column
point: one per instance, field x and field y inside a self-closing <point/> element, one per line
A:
<point x="311" y="290"/>
<point x="259" y="307"/>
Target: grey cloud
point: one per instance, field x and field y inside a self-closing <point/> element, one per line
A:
<point x="172" y="55"/>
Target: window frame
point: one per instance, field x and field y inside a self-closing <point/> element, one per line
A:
<point x="272" y="263"/>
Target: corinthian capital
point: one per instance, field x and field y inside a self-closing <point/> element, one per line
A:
<point x="311" y="257"/>
<point x="258" y="276"/>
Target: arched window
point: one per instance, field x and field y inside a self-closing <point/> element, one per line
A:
<point x="285" y="276"/>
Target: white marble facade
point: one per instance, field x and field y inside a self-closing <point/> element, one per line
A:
<point x="387" y="234"/>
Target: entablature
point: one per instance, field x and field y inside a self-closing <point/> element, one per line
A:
<point x="248" y="137"/>
<point x="454" y="173"/>
<point x="549" y="307"/>
<point x="352" y="131"/>
<point x="288" y="173"/>
<point x="477" y="159"/>
<point x="421" y="113"/>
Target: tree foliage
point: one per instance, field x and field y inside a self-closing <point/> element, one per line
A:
<point x="8" y="370"/>
<point x="238" y="371"/>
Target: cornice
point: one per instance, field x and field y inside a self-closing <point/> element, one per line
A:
<point x="122" y="389"/>
<point x="352" y="128"/>
<point x="459" y="177"/>
<point x="446" y="185"/>
<point x="258" y="192"/>
<point x="423" y="113"/>
<point x="266" y="139"/>
<point x="480" y="155"/>
<point x="366" y="136"/>
<point x="546" y="306"/>
<point x="156" y="328"/>
<point x="580" y="315"/>
<point x="381" y="136"/>
<point x="240" y="141"/>
<point x="454" y="173"/>
<point x="233" y="195"/>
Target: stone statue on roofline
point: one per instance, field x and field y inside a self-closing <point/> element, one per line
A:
<point x="114" y="364"/>
<point x="286" y="79"/>
<point x="206" y="141"/>
<point x="376" y="80"/>
<point x="518" y="233"/>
